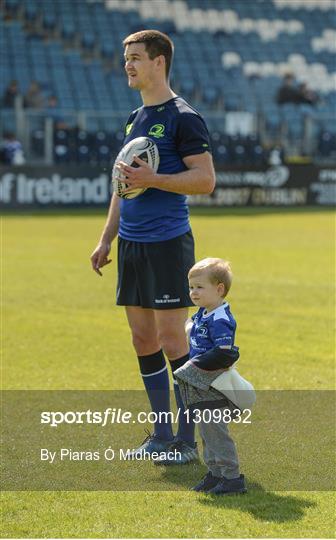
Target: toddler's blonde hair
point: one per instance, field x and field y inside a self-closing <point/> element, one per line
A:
<point x="217" y="270"/>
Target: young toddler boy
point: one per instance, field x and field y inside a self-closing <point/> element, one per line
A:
<point x="211" y="334"/>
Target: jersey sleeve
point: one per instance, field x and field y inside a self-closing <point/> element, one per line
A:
<point x="129" y="124"/>
<point x="222" y="333"/>
<point x="192" y="136"/>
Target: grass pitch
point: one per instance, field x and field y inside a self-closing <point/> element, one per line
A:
<point x="61" y="330"/>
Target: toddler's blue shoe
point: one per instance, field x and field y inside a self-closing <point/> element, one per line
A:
<point x="208" y="482"/>
<point x="229" y="486"/>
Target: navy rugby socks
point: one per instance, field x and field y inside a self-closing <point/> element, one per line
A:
<point x="156" y="380"/>
<point x="186" y="430"/>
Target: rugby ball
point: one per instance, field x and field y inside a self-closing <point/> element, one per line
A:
<point x="145" y="149"/>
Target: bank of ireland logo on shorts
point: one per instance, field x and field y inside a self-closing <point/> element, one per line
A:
<point x="166" y="299"/>
<point x="157" y="131"/>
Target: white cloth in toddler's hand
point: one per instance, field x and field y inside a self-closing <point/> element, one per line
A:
<point x="235" y="388"/>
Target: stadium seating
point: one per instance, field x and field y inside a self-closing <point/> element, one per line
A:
<point x="229" y="57"/>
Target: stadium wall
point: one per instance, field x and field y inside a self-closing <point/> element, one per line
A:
<point x="67" y="186"/>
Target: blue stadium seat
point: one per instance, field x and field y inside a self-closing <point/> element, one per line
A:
<point x="49" y="21"/>
<point x="88" y="40"/>
<point x="84" y="154"/>
<point x="31" y="12"/>
<point x="37" y="143"/>
<point x="7" y="120"/>
<point x="103" y="154"/>
<point x="326" y="144"/>
<point x="222" y="154"/>
<point x="12" y="7"/>
<point x="68" y="30"/>
<point x="62" y="153"/>
<point x="108" y="50"/>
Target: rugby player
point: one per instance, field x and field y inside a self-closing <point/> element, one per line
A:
<point x="155" y="242"/>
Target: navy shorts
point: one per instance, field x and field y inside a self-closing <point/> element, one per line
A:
<point x="155" y="274"/>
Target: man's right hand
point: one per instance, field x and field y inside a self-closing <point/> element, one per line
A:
<point x="99" y="257"/>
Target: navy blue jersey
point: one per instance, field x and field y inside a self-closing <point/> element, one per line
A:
<point x="214" y="329"/>
<point x="178" y="131"/>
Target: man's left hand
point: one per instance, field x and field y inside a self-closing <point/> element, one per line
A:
<point x="142" y="176"/>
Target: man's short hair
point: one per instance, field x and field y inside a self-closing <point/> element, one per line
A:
<point x="156" y="44"/>
<point x="217" y="270"/>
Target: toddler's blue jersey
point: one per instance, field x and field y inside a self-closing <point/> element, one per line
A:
<point x="214" y="329"/>
<point x="178" y="131"/>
